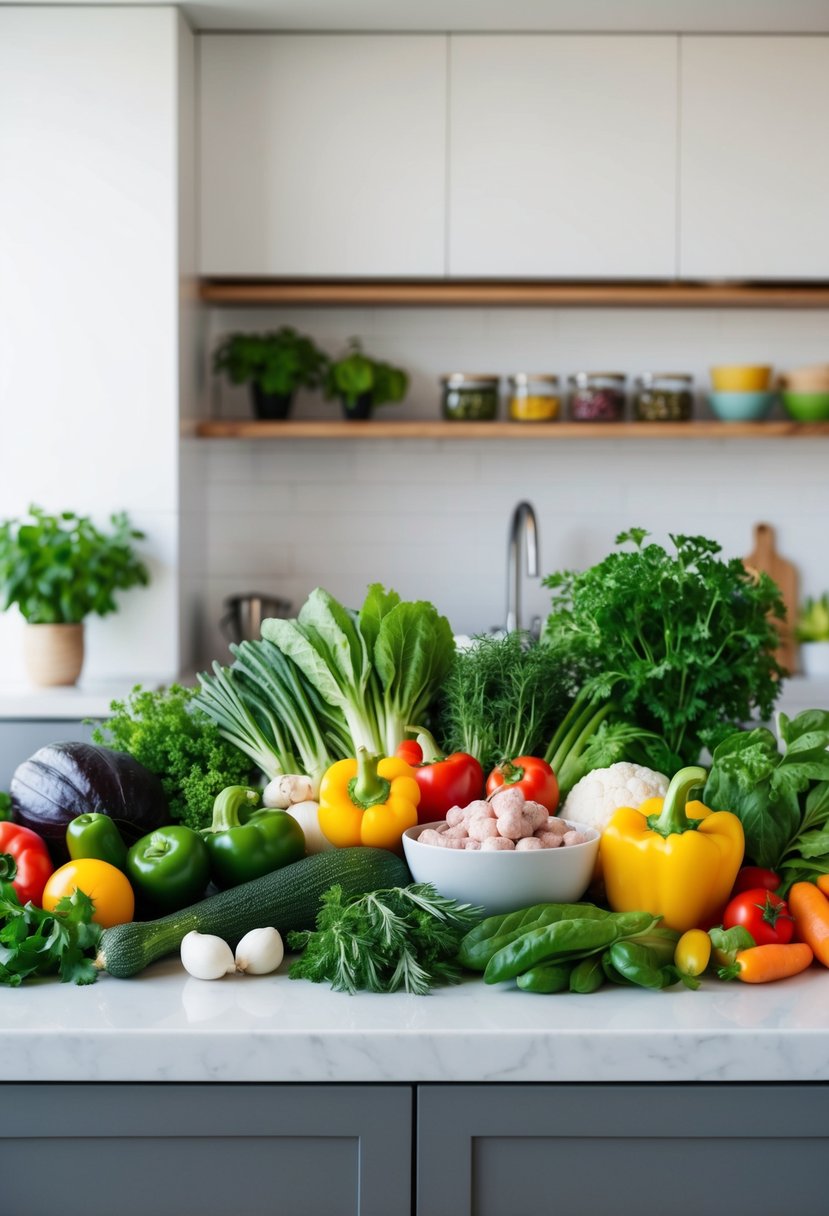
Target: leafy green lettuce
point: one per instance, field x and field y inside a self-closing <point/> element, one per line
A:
<point x="780" y="792"/>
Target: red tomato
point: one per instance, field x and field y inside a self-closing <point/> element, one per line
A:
<point x="531" y="775"/>
<point x="764" y="914"/>
<point x="410" y="751"/>
<point x="753" y="878"/>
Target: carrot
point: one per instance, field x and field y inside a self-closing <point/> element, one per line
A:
<point x="810" y="909"/>
<point x="823" y="883"/>
<point x="760" y="964"/>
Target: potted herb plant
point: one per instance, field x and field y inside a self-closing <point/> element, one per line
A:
<point x="275" y="365"/>
<point x="360" y="383"/>
<point x="812" y="632"/>
<point x="59" y="569"/>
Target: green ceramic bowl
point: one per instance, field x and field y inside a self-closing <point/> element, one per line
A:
<point x="806" y="407"/>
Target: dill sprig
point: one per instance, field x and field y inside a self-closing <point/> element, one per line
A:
<point x="396" y="938"/>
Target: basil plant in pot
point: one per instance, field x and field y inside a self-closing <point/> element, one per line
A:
<point x="59" y="569"/>
<point x="274" y="364"/>
<point x="360" y="383"/>
<point x="812" y="632"/>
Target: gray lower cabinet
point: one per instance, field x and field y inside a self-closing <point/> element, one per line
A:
<point x="622" y="1150"/>
<point x="205" y="1150"/>
<point x="21" y="737"/>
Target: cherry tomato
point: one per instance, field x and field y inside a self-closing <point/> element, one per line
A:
<point x="531" y="775"/>
<point x="107" y="887"/>
<point x="753" y="877"/>
<point x="410" y="751"/>
<point x="764" y="914"/>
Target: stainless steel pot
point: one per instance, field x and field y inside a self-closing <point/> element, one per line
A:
<point x="244" y="614"/>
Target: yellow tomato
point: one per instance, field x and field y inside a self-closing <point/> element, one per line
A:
<point x="107" y="887"/>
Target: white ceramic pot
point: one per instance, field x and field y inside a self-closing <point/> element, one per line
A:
<point x="53" y="654"/>
<point x="814" y="658"/>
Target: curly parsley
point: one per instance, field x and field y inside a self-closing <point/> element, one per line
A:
<point x="178" y="742"/>
<point x="684" y="643"/>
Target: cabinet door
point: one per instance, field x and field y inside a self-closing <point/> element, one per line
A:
<point x="633" y="1150"/>
<point x="754" y="160"/>
<point x="563" y="156"/>
<point x="214" y="1150"/>
<point x="323" y="154"/>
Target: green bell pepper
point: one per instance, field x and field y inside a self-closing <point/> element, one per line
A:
<point x="169" y="868"/>
<point x="95" y="835"/>
<point x="243" y="846"/>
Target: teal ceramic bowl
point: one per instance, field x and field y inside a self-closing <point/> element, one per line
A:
<point x="741" y="407"/>
<point x="806" y="407"/>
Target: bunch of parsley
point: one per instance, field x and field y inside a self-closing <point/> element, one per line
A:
<point x="177" y="741"/>
<point x="34" y="942"/>
<point x="399" y="937"/>
<point x="684" y="643"/>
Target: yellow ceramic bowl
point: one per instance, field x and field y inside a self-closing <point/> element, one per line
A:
<point x="741" y="378"/>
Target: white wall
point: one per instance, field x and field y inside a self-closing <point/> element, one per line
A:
<point x="89" y="297"/>
<point x="431" y="518"/>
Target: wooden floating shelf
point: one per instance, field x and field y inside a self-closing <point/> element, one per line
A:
<point x="488" y="293"/>
<point x="427" y="429"/>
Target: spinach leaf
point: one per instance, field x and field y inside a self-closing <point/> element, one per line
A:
<point x="781" y="797"/>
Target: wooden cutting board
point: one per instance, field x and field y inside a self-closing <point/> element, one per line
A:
<point x="766" y="559"/>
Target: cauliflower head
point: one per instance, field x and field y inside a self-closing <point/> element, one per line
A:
<point x="594" y="798"/>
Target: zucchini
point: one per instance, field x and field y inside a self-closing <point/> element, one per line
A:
<point x="288" y="898"/>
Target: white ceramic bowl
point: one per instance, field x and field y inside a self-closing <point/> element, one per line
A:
<point x="504" y="881"/>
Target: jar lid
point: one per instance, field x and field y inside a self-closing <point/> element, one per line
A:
<point x="581" y="378"/>
<point x="647" y="378"/>
<point x="459" y="379"/>
<point x="522" y="378"/>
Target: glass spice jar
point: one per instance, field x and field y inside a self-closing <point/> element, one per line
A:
<point x="664" y="397"/>
<point x="597" y="397"/>
<point x="469" y="398"/>
<point x="533" y="398"/>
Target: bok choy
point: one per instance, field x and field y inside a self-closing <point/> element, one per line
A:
<point x="380" y="667"/>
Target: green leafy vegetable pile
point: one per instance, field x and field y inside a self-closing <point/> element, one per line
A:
<point x="683" y="643"/>
<point x="34" y="942"/>
<point x="168" y="733"/>
<point x="780" y="795"/>
<point x="400" y="937"/>
<point x="318" y="687"/>
<point x="502" y="697"/>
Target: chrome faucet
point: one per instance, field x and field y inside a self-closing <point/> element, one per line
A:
<point x="523" y="523"/>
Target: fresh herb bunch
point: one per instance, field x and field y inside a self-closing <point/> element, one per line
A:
<point x="503" y="697"/>
<point x="34" y="942"/>
<point x="278" y="363"/>
<point x="59" y="569"/>
<point x="167" y="733"/>
<point x="357" y="375"/>
<point x="684" y="643"/>
<point x="400" y="937"/>
<point x="781" y="795"/>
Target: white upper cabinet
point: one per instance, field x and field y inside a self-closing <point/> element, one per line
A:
<point x="755" y="158"/>
<point x="562" y="159"/>
<point x="323" y="155"/>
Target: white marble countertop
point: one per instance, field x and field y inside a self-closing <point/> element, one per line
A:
<point x="165" y="1026"/>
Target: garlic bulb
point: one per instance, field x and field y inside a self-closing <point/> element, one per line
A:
<point x="260" y="951"/>
<point x="206" y="957"/>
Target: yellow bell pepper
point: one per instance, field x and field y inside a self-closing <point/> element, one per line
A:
<point x="368" y="800"/>
<point x="674" y="860"/>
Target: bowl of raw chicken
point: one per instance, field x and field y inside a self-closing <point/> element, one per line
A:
<point x="503" y="853"/>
